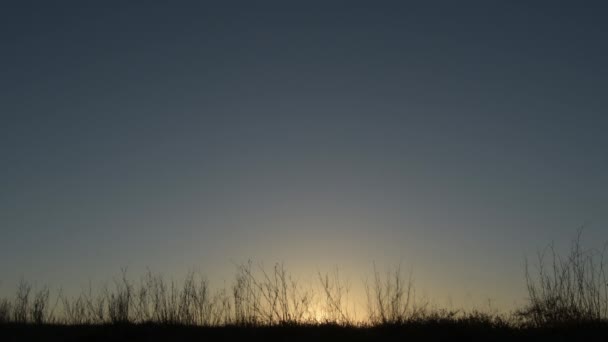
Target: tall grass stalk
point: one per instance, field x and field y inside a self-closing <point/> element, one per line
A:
<point x="567" y="288"/>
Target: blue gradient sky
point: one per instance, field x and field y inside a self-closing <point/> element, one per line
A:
<point x="454" y="137"/>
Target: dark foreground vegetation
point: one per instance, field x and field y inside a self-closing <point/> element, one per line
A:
<point x="412" y="331"/>
<point x="568" y="301"/>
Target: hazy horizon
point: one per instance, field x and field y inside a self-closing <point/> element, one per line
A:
<point x="453" y="138"/>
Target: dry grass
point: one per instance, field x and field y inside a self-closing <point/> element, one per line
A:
<point x="566" y="289"/>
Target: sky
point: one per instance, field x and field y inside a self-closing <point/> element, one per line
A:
<point x="455" y="138"/>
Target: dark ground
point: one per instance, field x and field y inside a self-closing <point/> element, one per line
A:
<point x="410" y="332"/>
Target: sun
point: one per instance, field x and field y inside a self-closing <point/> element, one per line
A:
<point x="320" y="316"/>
